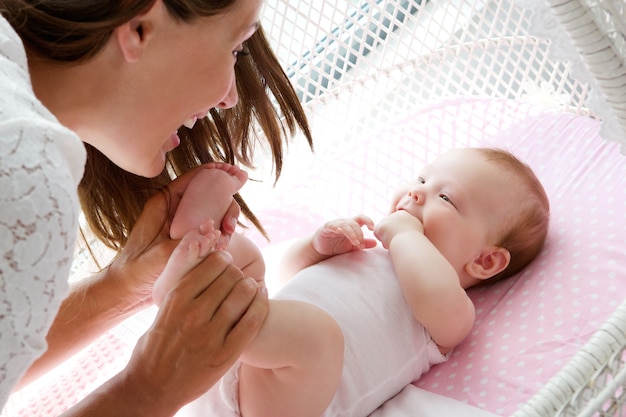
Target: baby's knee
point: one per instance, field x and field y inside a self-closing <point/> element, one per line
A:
<point x="328" y="338"/>
<point x="334" y="332"/>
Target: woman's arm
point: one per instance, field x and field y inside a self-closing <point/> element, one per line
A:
<point x="94" y="306"/>
<point x="98" y="303"/>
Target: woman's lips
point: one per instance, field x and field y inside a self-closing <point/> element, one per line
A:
<point x="174" y="141"/>
<point x="189" y="123"/>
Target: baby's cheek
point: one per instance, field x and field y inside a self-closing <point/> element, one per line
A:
<point x="395" y="199"/>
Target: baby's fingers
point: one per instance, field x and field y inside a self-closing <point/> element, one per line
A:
<point x="363" y="220"/>
<point x="354" y="234"/>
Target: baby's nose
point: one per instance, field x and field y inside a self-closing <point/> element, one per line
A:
<point x="416" y="195"/>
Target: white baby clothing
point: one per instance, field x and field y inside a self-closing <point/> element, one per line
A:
<point x="386" y="348"/>
<point x="41" y="164"/>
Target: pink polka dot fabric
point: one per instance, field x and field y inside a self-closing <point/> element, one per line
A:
<point x="528" y="326"/>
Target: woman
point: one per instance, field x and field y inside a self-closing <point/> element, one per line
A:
<point x="123" y="77"/>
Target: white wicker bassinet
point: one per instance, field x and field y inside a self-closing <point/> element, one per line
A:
<point x="357" y="64"/>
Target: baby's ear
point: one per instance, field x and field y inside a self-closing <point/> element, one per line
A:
<point x="490" y="262"/>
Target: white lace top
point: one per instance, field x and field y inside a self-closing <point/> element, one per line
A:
<point x="41" y="163"/>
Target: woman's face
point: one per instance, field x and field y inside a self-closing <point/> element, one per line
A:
<point x="185" y="70"/>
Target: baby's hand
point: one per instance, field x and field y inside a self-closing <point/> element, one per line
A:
<point x="394" y="224"/>
<point x="343" y="235"/>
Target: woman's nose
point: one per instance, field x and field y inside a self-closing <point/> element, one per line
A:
<point x="231" y="98"/>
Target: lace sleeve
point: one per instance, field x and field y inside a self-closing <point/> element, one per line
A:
<point x="40" y="165"/>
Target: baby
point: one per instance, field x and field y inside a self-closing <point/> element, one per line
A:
<point x="356" y="323"/>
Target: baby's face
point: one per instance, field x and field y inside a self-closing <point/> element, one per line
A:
<point x="462" y="201"/>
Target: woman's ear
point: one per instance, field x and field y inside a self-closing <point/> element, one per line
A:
<point x="488" y="263"/>
<point x="134" y="35"/>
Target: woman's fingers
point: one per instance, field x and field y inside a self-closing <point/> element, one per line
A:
<point x="146" y="251"/>
<point x="202" y="327"/>
<point x="216" y="291"/>
<point x="229" y="223"/>
<point x="248" y="326"/>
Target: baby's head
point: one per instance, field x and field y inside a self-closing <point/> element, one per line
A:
<point x="483" y="209"/>
<point x="524" y="232"/>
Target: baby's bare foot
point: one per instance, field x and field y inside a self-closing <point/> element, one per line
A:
<point x="208" y="196"/>
<point x="238" y="176"/>
<point x="192" y="249"/>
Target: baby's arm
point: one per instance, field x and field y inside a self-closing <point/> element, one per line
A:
<point x="333" y="238"/>
<point x="430" y="284"/>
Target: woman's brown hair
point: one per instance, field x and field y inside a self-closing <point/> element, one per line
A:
<point x="268" y="109"/>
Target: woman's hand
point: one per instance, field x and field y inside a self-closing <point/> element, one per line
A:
<point x="149" y="246"/>
<point x="343" y="235"/>
<point x="202" y="327"/>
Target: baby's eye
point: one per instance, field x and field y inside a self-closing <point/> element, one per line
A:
<point x="447" y="199"/>
<point x="421" y="180"/>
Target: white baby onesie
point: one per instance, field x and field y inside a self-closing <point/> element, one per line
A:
<point x="385" y="347"/>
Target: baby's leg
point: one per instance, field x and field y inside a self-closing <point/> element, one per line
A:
<point x="193" y="247"/>
<point x="208" y="196"/>
<point x="294" y="365"/>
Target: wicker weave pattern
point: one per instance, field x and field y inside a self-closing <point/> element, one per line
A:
<point x="366" y="62"/>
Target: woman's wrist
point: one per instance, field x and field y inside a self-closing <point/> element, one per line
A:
<point x="124" y="395"/>
<point x="128" y="297"/>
